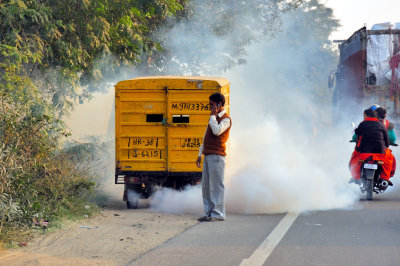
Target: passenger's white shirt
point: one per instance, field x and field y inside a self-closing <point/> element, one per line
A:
<point x="216" y="128"/>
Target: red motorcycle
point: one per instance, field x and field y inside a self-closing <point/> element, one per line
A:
<point x="371" y="180"/>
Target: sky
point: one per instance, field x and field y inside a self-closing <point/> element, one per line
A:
<point x="353" y="14"/>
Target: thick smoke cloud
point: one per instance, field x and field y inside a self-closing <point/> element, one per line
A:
<point x="215" y="34"/>
<point x="284" y="156"/>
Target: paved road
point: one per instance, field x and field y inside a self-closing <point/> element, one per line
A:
<point x="366" y="235"/>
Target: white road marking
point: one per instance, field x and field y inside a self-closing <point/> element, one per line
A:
<point x="261" y="254"/>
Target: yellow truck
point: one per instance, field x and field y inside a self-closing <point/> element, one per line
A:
<point x="159" y="127"/>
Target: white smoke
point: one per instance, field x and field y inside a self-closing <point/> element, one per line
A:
<point x="216" y="35"/>
<point x="282" y="155"/>
<point x="132" y="196"/>
<point x="268" y="174"/>
<point x="171" y="201"/>
<point x="92" y="118"/>
<point x="272" y="174"/>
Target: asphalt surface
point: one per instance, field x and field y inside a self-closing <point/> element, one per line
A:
<point x="368" y="234"/>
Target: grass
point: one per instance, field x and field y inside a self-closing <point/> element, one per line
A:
<point x="15" y="236"/>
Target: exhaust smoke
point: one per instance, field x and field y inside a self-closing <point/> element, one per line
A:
<point x="283" y="155"/>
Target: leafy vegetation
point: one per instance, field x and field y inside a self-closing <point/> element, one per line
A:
<point x="59" y="43"/>
<point x="37" y="179"/>
<point x="49" y="54"/>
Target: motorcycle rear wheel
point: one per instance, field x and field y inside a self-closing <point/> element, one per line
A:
<point x="370" y="188"/>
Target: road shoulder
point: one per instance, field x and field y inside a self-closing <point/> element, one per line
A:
<point x="113" y="237"/>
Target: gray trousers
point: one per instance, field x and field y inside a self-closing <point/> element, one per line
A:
<point x="213" y="185"/>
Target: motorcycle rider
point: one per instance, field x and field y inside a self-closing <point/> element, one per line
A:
<point x="372" y="141"/>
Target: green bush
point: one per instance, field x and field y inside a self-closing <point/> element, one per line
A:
<point x="38" y="178"/>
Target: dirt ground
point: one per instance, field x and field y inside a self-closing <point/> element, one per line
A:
<point x="115" y="237"/>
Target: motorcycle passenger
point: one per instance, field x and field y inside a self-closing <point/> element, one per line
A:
<point x="381" y="113"/>
<point x="372" y="141"/>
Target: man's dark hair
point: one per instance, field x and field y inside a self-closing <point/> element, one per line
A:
<point x="217" y="97"/>
<point x="370" y="113"/>
<point x="380" y="112"/>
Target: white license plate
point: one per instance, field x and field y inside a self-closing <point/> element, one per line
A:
<point x="370" y="166"/>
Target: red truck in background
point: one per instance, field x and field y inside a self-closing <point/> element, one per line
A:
<point x="368" y="73"/>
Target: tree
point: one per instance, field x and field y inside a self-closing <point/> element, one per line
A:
<point x="63" y="41"/>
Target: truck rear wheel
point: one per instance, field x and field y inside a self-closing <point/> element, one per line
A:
<point x="133" y="193"/>
<point x="132" y="204"/>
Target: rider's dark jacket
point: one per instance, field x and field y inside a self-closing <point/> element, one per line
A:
<point x="372" y="136"/>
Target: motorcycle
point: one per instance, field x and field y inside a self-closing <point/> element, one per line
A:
<point x="371" y="180"/>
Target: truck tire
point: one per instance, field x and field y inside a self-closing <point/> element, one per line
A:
<point x="131" y="204"/>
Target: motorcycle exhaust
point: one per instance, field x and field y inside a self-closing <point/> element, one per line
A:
<point x="383" y="186"/>
<point x="384" y="183"/>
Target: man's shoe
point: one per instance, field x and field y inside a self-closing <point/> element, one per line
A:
<point x="217" y="219"/>
<point x="204" y="219"/>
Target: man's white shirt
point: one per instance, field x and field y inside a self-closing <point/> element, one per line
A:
<point x="216" y="128"/>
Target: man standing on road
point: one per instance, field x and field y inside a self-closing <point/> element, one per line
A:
<point x="214" y="150"/>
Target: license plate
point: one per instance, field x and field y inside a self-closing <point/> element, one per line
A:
<point x="370" y="166"/>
